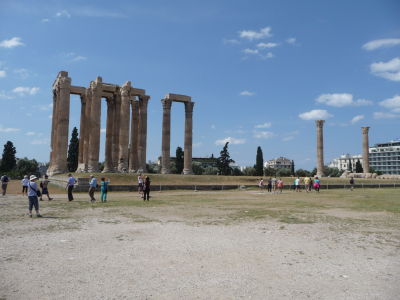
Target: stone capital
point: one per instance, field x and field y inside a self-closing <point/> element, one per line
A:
<point x="166" y="104"/>
<point x="143" y="100"/>
<point x="64" y="82"/>
<point x="125" y="90"/>
<point x="365" y="130"/>
<point x="189" y="107"/>
<point x="319" y="123"/>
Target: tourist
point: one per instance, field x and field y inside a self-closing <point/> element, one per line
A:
<point x="70" y="186"/>
<point x="297" y="184"/>
<point x="269" y="186"/>
<point x="279" y="184"/>
<point x="306" y="183"/>
<point x="317" y="184"/>
<point x="33" y="192"/>
<point x="4" y="183"/>
<point x="92" y="188"/>
<point x="261" y="184"/>
<point x="45" y="190"/>
<point x="25" y="183"/>
<point x="351" y="183"/>
<point x="310" y="184"/>
<point x="104" y="189"/>
<point x="140" y="184"/>
<point x="273" y="185"/>
<point x="146" y="189"/>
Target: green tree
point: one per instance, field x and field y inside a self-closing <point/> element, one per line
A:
<point x="224" y="161"/>
<point x="210" y="171"/>
<point x="259" y="166"/>
<point x="359" y="168"/>
<point x="249" y="171"/>
<point x="26" y="166"/>
<point x="349" y="167"/>
<point x="283" y="172"/>
<point x="292" y="168"/>
<point x="179" y="160"/>
<point x="269" y="171"/>
<point x="197" y="169"/>
<point x="8" y="160"/>
<point x="302" y="173"/>
<point x="73" y="151"/>
<point x="237" y="172"/>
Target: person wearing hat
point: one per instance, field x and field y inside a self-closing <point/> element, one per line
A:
<point x="33" y="196"/>
<point x="92" y="187"/>
<point x="25" y="183"/>
<point x="70" y="186"/>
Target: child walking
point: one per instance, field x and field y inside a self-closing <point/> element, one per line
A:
<point x="104" y="189"/>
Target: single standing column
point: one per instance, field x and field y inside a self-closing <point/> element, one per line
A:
<point x="53" y="141"/>
<point x="143" y="101"/>
<point x="116" y="126"/>
<point x="320" y="147"/>
<point x="108" y="163"/>
<point x="166" y="136"/>
<point x="82" y="134"/>
<point x="187" y="163"/>
<point x="133" y="151"/>
<point x="88" y="122"/>
<point x="365" y="149"/>
<point x="94" y="127"/>
<point x="124" y="128"/>
<point x="64" y="84"/>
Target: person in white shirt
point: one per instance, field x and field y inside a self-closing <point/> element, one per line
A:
<point x="92" y="187"/>
<point x="25" y="183"/>
<point x="33" y="196"/>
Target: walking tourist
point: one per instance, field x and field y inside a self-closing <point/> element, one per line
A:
<point x="261" y="184"/>
<point x="104" y="189"/>
<point x="269" y="186"/>
<point x="297" y="184"/>
<point x="92" y="187"/>
<point x="146" y="189"/>
<point x="351" y="183"/>
<point x="25" y="183"/>
<point x="33" y="192"/>
<point x="307" y="183"/>
<point x="279" y="184"/>
<point x="4" y="183"/>
<point x="317" y="184"/>
<point x="45" y="190"/>
<point x="140" y="185"/>
<point x="70" y="186"/>
<point x="273" y="185"/>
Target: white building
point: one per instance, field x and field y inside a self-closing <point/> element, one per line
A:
<point x="343" y="162"/>
<point x="279" y="163"/>
<point x="385" y="157"/>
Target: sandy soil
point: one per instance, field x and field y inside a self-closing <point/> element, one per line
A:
<point x="187" y="252"/>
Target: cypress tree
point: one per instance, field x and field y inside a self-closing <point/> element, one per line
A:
<point x="8" y="160"/>
<point x="350" y="167"/>
<point x="259" y="166"/>
<point x="179" y="160"/>
<point x="359" y="168"/>
<point x="73" y="151"/>
<point x="224" y="160"/>
<point x="292" y="168"/>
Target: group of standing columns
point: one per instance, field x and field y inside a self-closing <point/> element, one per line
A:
<point x="320" y="148"/>
<point x="166" y="132"/>
<point x="126" y="126"/>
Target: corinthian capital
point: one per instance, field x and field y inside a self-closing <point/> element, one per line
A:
<point x="319" y="123"/>
<point x="189" y="107"/>
<point x="365" y="130"/>
<point x="166" y="104"/>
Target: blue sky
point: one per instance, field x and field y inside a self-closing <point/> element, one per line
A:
<point x="260" y="72"/>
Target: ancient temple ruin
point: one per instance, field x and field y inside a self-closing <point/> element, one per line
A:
<point x="126" y="129"/>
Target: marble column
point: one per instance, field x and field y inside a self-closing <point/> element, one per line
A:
<point x="108" y="161"/>
<point x="124" y="127"/>
<point x="88" y="122"/>
<point x="94" y="127"/>
<point x="320" y="147"/>
<point x="115" y="144"/>
<point x="53" y="141"/>
<point x="82" y="135"/>
<point x="133" y="151"/>
<point x="166" y="136"/>
<point x="187" y="162"/>
<point x="143" y="101"/>
<point x="365" y="149"/>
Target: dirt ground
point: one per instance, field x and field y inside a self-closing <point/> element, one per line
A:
<point x="203" y="245"/>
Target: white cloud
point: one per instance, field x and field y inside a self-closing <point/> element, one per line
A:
<point x="197" y="145"/>
<point x="11" y="43"/>
<point x="73" y="57"/>
<point x="383" y="43"/>
<point x="231" y="140"/>
<point x="4" y="95"/>
<point x="247" y="93"/>
<point x="384" y="115"/>
<point x="315" y="114"/>
<point x="46" y="107"/>
<point x="63" y="13"/>
<point x="103" y="130"/>
<point x="250" y="51"/>
<point x="30" y="133"/>
<point x="389" y="70"/>
<point x="266" y="45"/>
<point x="22" y="73"/>
<point x="230" y="41"/>
<point x="8" y="130"/>
<point x="268" y="55"/>
<point x="392" y="103"/>
<point x="264" y="125"/>
<point x="3" y="74"/>
<point x="78" y="58"/>
<point x="357" y="118"/>
<point x="44" y="141"/>
<point x="95" y="11"/>
<point x="341" y="100"/>
<point x="45" y="20"/>
<point x="287" y="138"/>
<point x="263" y="134"/>
<point x="291" y="40"/>
<point x="24" y="90"/>
<point x="255" y="35"/>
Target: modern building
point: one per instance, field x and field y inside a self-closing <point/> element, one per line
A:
<point x="346" y="162"/>
<point x="279" y="163"/>
<point x="385" y="157"/>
